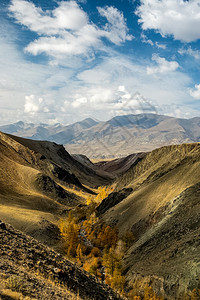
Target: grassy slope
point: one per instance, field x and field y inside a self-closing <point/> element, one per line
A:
<point x="159" y="177"/>
<point x="168" y="253"/>
<point x="61" y="157"/>
<point x="163" y="213"/>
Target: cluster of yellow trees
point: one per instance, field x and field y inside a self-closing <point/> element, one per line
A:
<point x="98" y="249"/>
<point x="95" y="246"/>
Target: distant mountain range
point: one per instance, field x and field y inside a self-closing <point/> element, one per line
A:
<point x="120" y="136"/>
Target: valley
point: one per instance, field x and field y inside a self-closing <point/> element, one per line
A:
<point x="147" y="202"/>
<point x="99" y="150"/>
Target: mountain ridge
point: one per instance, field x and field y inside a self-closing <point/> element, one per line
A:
<point x="117" y="137"/>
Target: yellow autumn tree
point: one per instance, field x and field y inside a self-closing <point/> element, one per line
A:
<point x="118" y="280"/>
<point x="103" y="192"/>
<point x="107" y="237"/>
<point x="79" y="254"/>
<point x="110" y="261"/>
<point x="69" y="230"/>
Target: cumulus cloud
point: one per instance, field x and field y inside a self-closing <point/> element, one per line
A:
<point x="121" y="88"/>
<point x="67" y="15"/>
<point x="79" y="102"/>
<point x="162" y="66"/>
<point x="67" y="30"/>
<point x="34" y="105"/>
<point x="178" y="18"/>
<point x="136" y="103"/>
<point x="101" y="90"/>
<point x="196" y="92"/>
<point x="109" y="101"/>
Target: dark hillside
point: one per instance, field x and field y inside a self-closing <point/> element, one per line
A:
<point x="28" y="268"/>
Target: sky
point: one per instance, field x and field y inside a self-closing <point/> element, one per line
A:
<point x="64" y="61"/>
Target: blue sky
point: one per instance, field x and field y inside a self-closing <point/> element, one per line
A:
<point x="62" y="61"/>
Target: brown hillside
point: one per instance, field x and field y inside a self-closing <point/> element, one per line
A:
<point x="57" y="154"/>
<point x="31" y="197"/>
<point x="163" y="212"/>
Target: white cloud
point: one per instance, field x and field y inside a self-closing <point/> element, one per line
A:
<point x="146" y="40"/>
<point x="66" y="30"/>
<point x="121" y="88"/>
<point x="79" y="102"/>
<point x="196" y="93"/>
<point x="101" y="91"/>
<point x="115" y="30"/>
<point x="162" y="66"/>
<point x="178" y="18"/>
<point x="129" y="103"/>
<point x="122" y="71"/>
<point x="160" y="46"/>
<point x="67" y="16"/>
<point x="109" y="101"/>
<point x="191" y="52"/>
<point x="34" y="105"/>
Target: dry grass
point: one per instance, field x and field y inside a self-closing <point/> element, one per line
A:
<point x="75" y="191"/>
<point x="9" y="294"/>
<point x="158" y="178"/>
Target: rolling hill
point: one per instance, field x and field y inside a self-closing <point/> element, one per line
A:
<point x="40" y="180"/>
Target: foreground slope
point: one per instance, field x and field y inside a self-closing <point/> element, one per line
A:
<point x="163" y="212"/>
<point x="28" y="268"/>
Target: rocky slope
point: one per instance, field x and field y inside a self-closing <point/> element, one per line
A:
<point x="40" y="180"/>
<point x="29" y="270"/>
